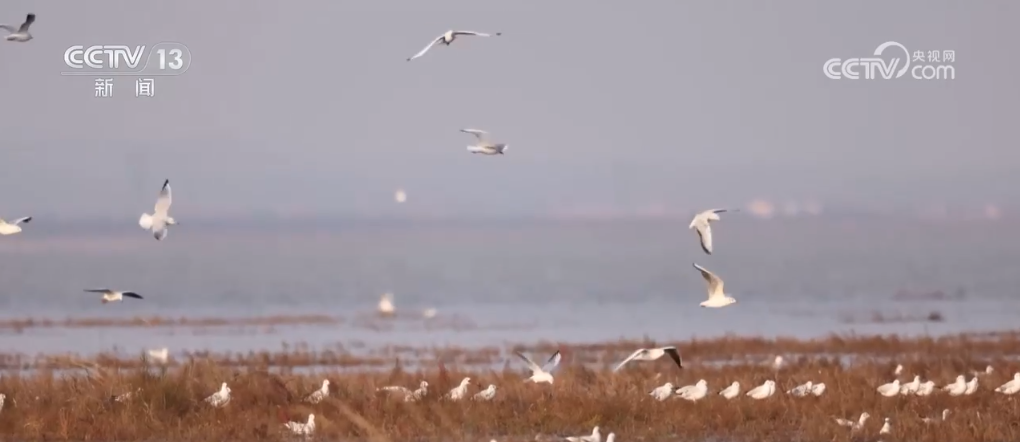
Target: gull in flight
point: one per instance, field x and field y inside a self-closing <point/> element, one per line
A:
<point x="925" y="388"/>
<point x="956" y="388"/>
<point x="818" y="389"/>
<point x="889" y="390"/>
<point x="651" y="354"/>
<point x="854" y="425"/>
<point x="1011" y="387"/>
<point x="911" y="387"/>
<point x="386" y="307"/>
<point x="114" y="296"/>
<point x="732" y="391"/>
<point x="693" y="392"/>
<point x="21" y="34"/>
<point x="447" y="38"/>
<point x="716" y="297"/>
<point x="302" y="428"/>
<point x="10" y="228"/>
<point x="886" y="428"/>
<point x="595" y="437"/>
<point x="763" y="391"/>
<point x="701" y="224"/>
<point x="458" y="392"/>
<point x="161" y="355"/>
<point x="971" y="386"/>
<point x="159" y="220"/>
<point x="542" y="374"/>
<point x="409" y="396"/>
<point x="932" y="420"/>
<point x="485" y="146"/>
<point x="801" y="390"/>
<point x="662" y="392"/>
<point x="220" y="398"/>
<point x="318" y="395"/>
<point x="486" y="394"/>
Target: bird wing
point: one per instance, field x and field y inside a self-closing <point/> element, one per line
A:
<point x="629" y="358"/>
<point x="22" y="220"/>
<point x="705" y="234"/>
<point x="8" y="28"/>
<point x="161" y="233"/>
<point x="674" y="354"/>
<point x="480" y="34"/>
<point x="553" y="362"/>
<point x="715" y="284"/>
<point x="531" y="364"/>
<point x="99" y="290"/>
<point x="478" y="133"/>
<point x="423" y="51"/>
<point x="29" y="19"/>
<point x="163" y="200"/>
<point x="132" y="295"/>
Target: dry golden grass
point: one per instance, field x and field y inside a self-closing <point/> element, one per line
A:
<point x="46" y="405"/>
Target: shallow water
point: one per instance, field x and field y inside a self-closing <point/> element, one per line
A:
<point x="510" y="282"/>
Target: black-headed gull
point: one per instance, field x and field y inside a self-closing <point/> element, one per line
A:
<point x="458" y="392"/>
<point x="910" y="387"/>
<point x="21" y="34"/>
<point x="594" y="437"/>
<point x="765" y="390"/>
<point x="854" y="425"/>
<point x="958" y="387"/>
<point x="10" y="228"/>
<point x="651" y="354"/>
<point x="447" y="38"/>
<point x="541" y="374"/>
<point x="971" y="386"/>
<point x="1011" y="387"/>
<point x="662" y="392"/>
<point x="801" y="390"/>
<point x="409" y="396"/>
<point x="302" y="428"/>
<point x="318" y="395"/>
<point x="925" y="388"/>
<point x="113" y="295"/>
<point x="159" y="220"/>
<point x="932" y="420"/>
<point x="486" y="394"/>
<point x="818" y="389"/>
<point x="219" y="398"/>
<point x="732" y="391"/>
<point x="716" y="297"/>
<point x="886" y="428"/>
<point x="485" y="146"/>
<point x="701" y="224"/>
<point x="693" y="392"/>
<point x="889" y="390"/>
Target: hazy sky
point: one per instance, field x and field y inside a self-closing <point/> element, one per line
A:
<point x="310" y="107"/>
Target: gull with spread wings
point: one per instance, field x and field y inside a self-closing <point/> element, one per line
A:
<point x="716" y="297"/>
<point x="651" y="354"/>
<point x="21" y="33"/>
<point x="485" y="146"/>
<point x="447" y="38"/>
<point x="10" y="228"/>
<point x="701" y="224"/>
<point x="541" y="374"/>
<point x="158" y="222"/>
<point x="113" y="295"/>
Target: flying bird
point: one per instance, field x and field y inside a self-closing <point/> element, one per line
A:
<point x="701" y="224"/>
<point x="447" y="38"/>
<point x="21" y="34"/>
<point x="484" y="146"/>
<point x="541" y="374"/>
<point x="159" y="220"/>
<point x="161" y="355"/>
<point x="716" y="297"/>
<point x="10" y="228"/>
<point x="651" y="354"/>
<point x="113" y="295"/>
<point x="386" y="307"/>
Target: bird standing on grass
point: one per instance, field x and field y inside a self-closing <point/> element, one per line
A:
<point x="219" y="398"/>
<point x="318" y="395"/>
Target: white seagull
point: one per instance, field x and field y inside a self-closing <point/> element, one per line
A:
<point x="818" y="389"/>
<point x="693" y="392"/>
<point x="651" y="354"/>
<point x="594" y="437"/>
<point x="854" y="425"/>
<point x="1011" y="387"/>
<point x="732" y="391"/>
<point x="925" y="388"/>
<point x="971" y="386"/>
<point x="409" y="396"/>
<point x="458" y="392"/>
<point x="662" y="392"/>
<point x="541" y="374"/>
<point x="763" y="391"/>
<point x="486" y="394"/>
<point x="159" y="220"/>
<point x="716" y="297"/>
<point x="160" y="355"/>
<point x="701" y="224"/>
<point x="386" y="307"/>
<point x="932" y="420"/>
<point x="10" y="228"/>
<point x="302" y="429"/>
<point x="801" y="390"/>
<point x="318" y="395"/>
<point x="886" y="428"/>
<point x="113" y="295"/>
<point x="220" y="398"/>
<point x="2" y="398"/>
<point x="485" y="146"/>
<point x="889" y="390"/>
<point x="956" y="388"/>
<point x="898" y="370"/>
<point x="988" y="370"/>
<point x="447" y="38"/>
<point x="21" y="34"/>
<point x="911" y="387"/>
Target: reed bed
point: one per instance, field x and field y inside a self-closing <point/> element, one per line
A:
<point x="168" y="406"/>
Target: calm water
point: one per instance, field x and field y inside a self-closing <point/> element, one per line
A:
<point x="510" y="282"/>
